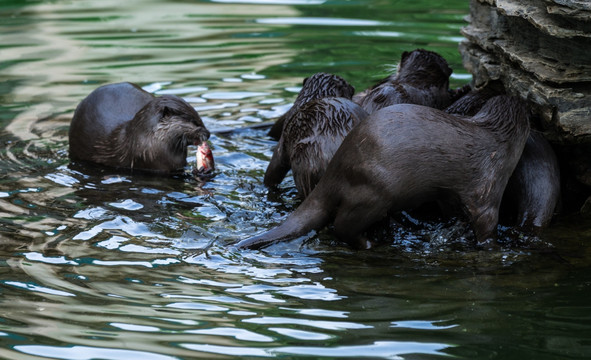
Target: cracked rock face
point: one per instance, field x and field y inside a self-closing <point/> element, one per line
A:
<point x="541" y="51"/>
<point x="570" y="10"/>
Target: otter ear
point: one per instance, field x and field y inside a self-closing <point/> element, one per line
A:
<point x="304" y="82"/>
<point x="404" y="56"/>
<point x="449" y="71"/>
<point x="403" y="59"/>
<point x="167" y="111"/>
<point x="351" y="89"/>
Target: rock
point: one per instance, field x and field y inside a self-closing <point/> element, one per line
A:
<point x="539" y="50"/>
<point x="535" y="57"/>
<point x="570" y="10"/>
<point x="586" y="208"/>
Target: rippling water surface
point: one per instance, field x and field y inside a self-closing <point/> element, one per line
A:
<point x="96" y="264"/>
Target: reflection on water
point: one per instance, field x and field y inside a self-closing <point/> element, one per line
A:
<point x="96" y="264"/>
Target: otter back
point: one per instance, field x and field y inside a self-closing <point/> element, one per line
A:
<point x="102" y="111"/>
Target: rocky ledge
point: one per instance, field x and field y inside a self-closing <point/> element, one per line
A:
<point x="539" y="50"/>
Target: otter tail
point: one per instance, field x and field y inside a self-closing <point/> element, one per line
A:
<point x="310" y="215"/>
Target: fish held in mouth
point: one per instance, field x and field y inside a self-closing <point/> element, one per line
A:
<point x="205" y="164"/>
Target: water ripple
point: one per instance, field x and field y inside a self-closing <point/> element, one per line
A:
<point x="272" y="2"/>
<point x="317" y="324"/>
<point x="233" y="95"/>
<point x="101" y="264"/>
<point x="301" y="334"/>
<point x="88" y="353"/>
<point x="37" y="288"/>
<point x="380" y="349"/>
<point x="238" y="334"/>
<point x="320" y="21"/>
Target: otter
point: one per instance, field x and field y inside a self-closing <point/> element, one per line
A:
<point x="418" y="154"/>
<point x="471" y="101"/>
<point x="422" y="78"/>
<point x="316" y="86"/>
<point x="309" y="140"/>
<point x="123" y="126"/>
<point x="533" y="191"/>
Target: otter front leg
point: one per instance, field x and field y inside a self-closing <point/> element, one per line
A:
<point x="278" y="166"/>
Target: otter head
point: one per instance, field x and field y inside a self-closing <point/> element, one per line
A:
<point x="160" y="132"/>
<point x="321" y="85"/>
<point x="424" y="68"/>
<point x="317" y="86"/>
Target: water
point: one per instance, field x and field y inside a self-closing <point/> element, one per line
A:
<point x="100" y="265"/>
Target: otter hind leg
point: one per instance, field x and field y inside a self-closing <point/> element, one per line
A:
<point x="353" y="219"/>
<point x="484" y="222"/>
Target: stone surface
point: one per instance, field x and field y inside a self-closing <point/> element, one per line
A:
<point x="539" y="50"/>
<point x="538" y="15"/>
<point x="570" y="10"/>
<point x="536" y="57"/>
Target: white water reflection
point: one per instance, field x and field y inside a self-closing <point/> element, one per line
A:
<point x="123" y="223"/>
<point x="235" y="95"/>
<point x="127" y="204"/>
<point x="319" y="21"/>
<point x="379" y="349"/>
<point x="238" y="334"/>
<point x="33" y="256"/>
<point x="318" y="324"/>
<point x="37" y="288"/>
<point x="272" y="2"/>
<point x="181" y="91"/>
<point x="88" y="353"/>
<point x="301" y="334"/>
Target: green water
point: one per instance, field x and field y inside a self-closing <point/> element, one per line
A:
<point x="100" y="265"/>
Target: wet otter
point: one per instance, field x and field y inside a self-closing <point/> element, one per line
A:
<point x="316" y="86"/>
<point x="309" y="140"/>
<point x="472" y="101"/>
<point x="123" y="126"/>
<point x="422" y="78"/>
<point x="533" y="191"/>
<point x="419" y="154"/>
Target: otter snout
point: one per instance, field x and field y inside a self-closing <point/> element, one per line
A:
<point x="203" y="135"/>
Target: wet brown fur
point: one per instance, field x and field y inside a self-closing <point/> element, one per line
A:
<point x="123" y="126"/>
<point x="418" y="154"/>
<point x="422" y="78"/>
<point x="309" y="140"/>
<point x="317" y="86"/>
<point x="533" y="191"/>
